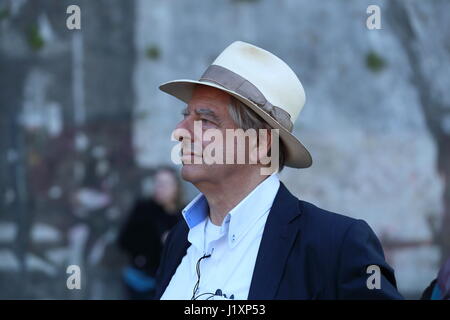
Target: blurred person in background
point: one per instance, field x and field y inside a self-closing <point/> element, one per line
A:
<point x="145" y="230"/>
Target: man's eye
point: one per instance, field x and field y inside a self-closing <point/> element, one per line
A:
<point x="206" y="121"/>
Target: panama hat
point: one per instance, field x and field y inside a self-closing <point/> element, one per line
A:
<point x="261" y="81"/>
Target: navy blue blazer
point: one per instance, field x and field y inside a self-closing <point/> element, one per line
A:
<point x="305" y="253"/>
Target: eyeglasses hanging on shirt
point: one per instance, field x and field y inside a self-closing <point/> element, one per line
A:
<point x="197" y="268"/>
<point x="218" y="292"/>
<point x="218" y="295"/>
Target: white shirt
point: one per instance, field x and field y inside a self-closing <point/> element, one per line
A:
<point x="233" y="246"/>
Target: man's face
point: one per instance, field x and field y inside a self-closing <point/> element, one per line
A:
<point x="210" y="107"/>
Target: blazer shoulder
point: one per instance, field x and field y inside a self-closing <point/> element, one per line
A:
<point x="330" y="227"/>
<point x="341" y="249"/>
<point x="323" y="218"/>
<point x="333" y="231"/>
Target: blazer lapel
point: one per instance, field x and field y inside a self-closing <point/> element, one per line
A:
<point x="278" y="237"/>
<point x="176" y="254"/>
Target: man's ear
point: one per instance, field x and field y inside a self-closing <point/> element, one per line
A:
<point x="253" y="148"/>
<point x="271" y="156"/>
<point x="264" y="145"/>
<point x="269" y="139"/>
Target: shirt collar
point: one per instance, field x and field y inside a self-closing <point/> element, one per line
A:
<point x="196" y="211"/>
<point x="240" y="219"/>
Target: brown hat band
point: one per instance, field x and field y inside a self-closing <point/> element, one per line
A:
<point x="234" y="82"/>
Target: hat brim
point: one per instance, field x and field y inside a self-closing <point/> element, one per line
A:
<point x="297" y="155"/>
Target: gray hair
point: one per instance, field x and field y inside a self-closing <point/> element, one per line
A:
<point x="245" y="118"/>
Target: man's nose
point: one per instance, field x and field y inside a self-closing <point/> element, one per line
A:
<point x="183" y="130"/>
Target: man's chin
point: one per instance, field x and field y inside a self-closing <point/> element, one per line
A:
<point x="193" y="172"/>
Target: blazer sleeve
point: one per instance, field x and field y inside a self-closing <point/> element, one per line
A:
<point x="361" y="256"/>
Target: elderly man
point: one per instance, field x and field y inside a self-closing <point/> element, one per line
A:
<point x="245" y="236"/>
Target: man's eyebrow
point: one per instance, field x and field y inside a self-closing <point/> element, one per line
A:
<point x="203" y="111"/>
<point x="185" y="111"/>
